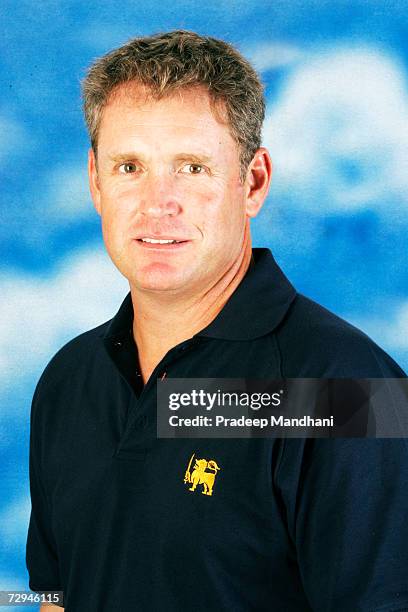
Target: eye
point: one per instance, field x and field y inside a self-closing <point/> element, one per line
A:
<point x="193" y="169"/>
<point x="128" y="168"/>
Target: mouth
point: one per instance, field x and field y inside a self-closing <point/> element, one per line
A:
<point x="162" y="244"/>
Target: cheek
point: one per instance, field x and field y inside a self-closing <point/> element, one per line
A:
<point x="116" y="206"/>
<point x="224" y="227"/>
<point x="229" y="214"/>
<point x="118" y="197"/>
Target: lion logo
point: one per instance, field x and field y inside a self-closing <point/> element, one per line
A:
<point x="204" y="473"/>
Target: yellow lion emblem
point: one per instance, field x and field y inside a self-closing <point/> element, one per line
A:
<point x="204" y="472"/>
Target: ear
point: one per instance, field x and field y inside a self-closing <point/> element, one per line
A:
<point x="94" y="181"/>
<point x="258" y="179"/>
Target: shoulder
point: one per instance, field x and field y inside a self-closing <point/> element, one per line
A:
<point x="74" y="356"/>
<point x="315" y="342"/>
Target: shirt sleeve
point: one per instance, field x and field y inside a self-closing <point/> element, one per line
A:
<point x="347" y="509"/>
<point x="41" y="550"/>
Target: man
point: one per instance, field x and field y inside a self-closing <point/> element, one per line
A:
<point x="176" y="172"/>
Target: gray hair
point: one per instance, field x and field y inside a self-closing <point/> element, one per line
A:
<point x="170" y="61"/>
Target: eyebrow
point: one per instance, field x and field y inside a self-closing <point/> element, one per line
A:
<point x="195" y="157"/>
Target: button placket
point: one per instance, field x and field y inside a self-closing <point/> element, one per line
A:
<point x="161" y="372"/>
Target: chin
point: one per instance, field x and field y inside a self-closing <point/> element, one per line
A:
<point x="157" y="282"/>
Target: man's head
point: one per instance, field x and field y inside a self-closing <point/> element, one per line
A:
<point x="175" y="122"/>
<point x="170" y="62"/>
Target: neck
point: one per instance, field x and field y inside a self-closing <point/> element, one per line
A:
<point x="160" y="323"/>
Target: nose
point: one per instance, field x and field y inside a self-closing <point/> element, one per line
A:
<point x="160" y="197"/>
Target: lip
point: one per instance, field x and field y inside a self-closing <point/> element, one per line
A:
<point x="163" y="247"/>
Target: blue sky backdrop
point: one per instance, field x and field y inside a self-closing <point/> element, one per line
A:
<point x="336" y="219"/>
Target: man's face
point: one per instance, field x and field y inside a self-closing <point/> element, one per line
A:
<point x="169" y="170"/>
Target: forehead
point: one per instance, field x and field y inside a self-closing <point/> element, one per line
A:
<point x="190" y="113"/>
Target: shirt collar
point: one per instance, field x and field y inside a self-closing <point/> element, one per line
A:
<point x="256" y="307"/>
<point x="258" y="304"/>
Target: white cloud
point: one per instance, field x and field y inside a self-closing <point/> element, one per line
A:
<point x="390" y="332"/>
<point x="268" y="55"/>
<point x="14" y="520"/>
<point x="338" y="132"/>
<point x="11" y="582"/>
<point x="43" y="313"/>
<point x="67" y="194"/>
<point x="13" y="136"/>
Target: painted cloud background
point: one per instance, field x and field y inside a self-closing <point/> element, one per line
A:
<point x="336" y="218"/>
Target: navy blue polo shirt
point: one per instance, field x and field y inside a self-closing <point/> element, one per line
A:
<point x="291" y="525"/>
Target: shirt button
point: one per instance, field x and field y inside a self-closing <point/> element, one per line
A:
<point x="118" y="343"/>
